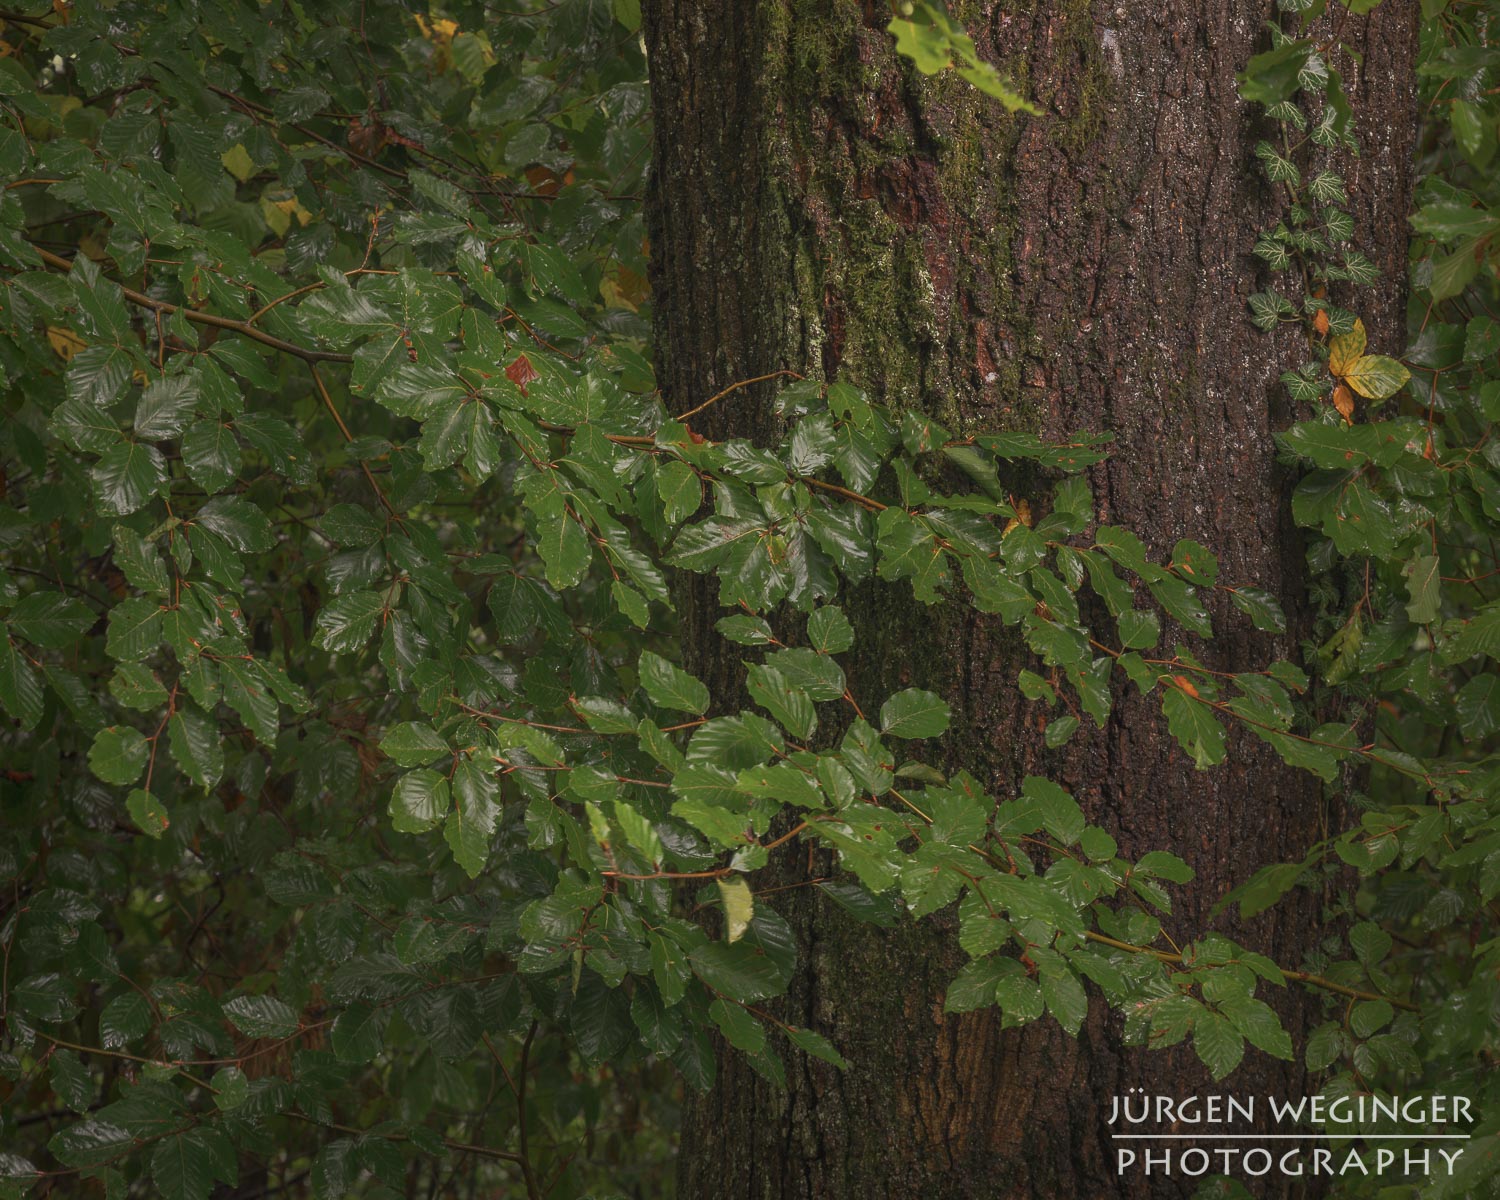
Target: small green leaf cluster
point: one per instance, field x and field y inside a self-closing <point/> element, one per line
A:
<point x="935" y="42"/>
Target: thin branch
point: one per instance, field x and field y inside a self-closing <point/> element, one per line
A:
<point x="1300" y="976"/>
<point x="459" y="1147"/>
<point x="243" y="328"/>
<point x="532" y="1191"/>
<point x="733" y="387"/>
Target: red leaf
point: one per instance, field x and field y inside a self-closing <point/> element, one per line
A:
<point x="521" y="372"/>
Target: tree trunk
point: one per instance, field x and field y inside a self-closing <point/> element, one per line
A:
<point x="817" y="206"/>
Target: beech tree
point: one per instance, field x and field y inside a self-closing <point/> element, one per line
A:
<point x="828" y="210"/>
<point x="858" y="598"/>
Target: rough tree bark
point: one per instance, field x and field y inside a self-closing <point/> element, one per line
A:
<point x="817" y="206"/>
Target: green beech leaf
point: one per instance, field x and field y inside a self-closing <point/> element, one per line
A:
<point x="413" y="744"/>
<point x="211" y="454"/>
<point x="914" y="714"/>
<point x="1424" y="588"/>
<point x="347" y="622"/>
<point x="829" y="630"/>
<point x="1263" y="609"/>
<point x="147" y="812"/>
<point x="127" y="476"/>
<point x="119" y="754"/>
<point x="262" y="1016"/>
<point x="1218" y="1044"/>
<point x="671" y="687"/>
<point x="419" y="801"/>
<point x="51" y="619"/>
<point x="1194" y="726"/>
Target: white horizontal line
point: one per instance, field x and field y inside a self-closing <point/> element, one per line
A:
<point x="1262" y="1137"/>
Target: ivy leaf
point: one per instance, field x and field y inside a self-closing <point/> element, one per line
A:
<point x="914" y="713"/>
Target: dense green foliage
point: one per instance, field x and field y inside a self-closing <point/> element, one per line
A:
<point x="360" y="831"/>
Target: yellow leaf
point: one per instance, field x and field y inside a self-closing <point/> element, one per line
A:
<point x="237" y="162"/>
<point x="64" y="342"/>
<point x="1344" y="350"/>
<point x="1375" y="377"/>
<point x="739" y="906"/>
<point x="279" y="214"/>
<point x="277" y="218"/>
